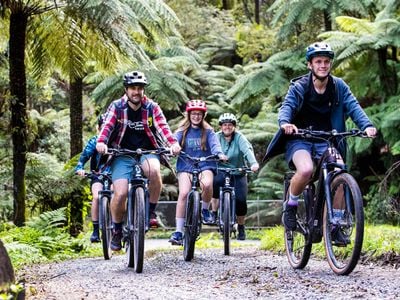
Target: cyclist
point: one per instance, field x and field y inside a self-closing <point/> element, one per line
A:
<point x="90" y="153"/>
<point x="134" y="121"/>
<point x="197" y="138"/>
<point x="239" y="152"/>
<point x="323" y="102"/>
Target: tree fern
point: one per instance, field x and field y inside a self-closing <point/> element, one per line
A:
<point x="47" y="221"/>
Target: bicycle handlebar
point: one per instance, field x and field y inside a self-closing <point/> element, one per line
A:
<point x="233" y="170"/>
<point x="138" y="152"/>
<point x="100" y="175"/>
<point x="308" y="133"/>
<point x="212" y="157"/>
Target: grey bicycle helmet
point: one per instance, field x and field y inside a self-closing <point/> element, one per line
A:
<point x="135" y="78"/>
<point x="227" y="118"/>
<point x="319" y="49"/>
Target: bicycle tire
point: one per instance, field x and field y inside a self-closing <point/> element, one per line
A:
<point x="344" y="258"/>
<point x="298" y="245"/>
<point x="191" y="230"/>
<point x="226" y="217"/>
<point x="139" y="228"/>
<point x="105" y="225"/>
<point x="129" y="234"/>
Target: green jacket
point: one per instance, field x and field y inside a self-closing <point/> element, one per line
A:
<point x="238" y="150"/>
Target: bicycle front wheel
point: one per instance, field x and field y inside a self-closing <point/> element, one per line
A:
<point x="192" y="222"/>
<point x="105" y="225"/>
<point x="139" y="229"/>
<point x="343" y="236"/>
<point x="297" y="242"/>
<point x="226" y="218"/>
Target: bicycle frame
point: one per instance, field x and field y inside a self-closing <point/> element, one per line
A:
<point x="327" y="169"/>
<point x="229" y="188"/>
<point x="138" y="180"/>
<point x="106" y="191"/>
<point x="192" y="208"/>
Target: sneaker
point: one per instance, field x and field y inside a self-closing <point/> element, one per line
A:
<point x="95" y="237"/>
<point x="176" y="238"/>
<point x="153" y="222"/>
<point x="339" y="238"/>
<point x="116" y="244"/>
<point x="289" y="216"/>
<point x="206" y="216"/>
<point x="213" y="217"/>
<point x="241" y="233"/>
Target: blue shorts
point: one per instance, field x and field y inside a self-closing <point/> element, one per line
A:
<point x="316" y="149"/>
<point x="122" y="166"/>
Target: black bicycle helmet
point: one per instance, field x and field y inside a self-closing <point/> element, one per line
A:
<point x="135" y="78"/>
<point x="319" y="49"/>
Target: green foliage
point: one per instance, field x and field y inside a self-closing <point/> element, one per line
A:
<point x="43" y="238"/>
<point x="255" y="43"/>
<point x="378" y="241"/>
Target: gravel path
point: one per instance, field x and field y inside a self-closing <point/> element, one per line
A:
<point x="248" y="273"/>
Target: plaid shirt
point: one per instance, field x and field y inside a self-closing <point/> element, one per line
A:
<point x="160" y="134"/>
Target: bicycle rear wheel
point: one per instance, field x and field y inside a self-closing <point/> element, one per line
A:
<point x="346" y="196"/>
<point x="105" y="225"/>
<point x="191" y="230"/>
<point x="226" y="218"/>
<point x="298" y="245"/>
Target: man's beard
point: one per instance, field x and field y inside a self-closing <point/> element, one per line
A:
<point x="135" y="100"/>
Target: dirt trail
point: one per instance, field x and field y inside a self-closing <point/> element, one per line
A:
<point x="248" y="273"/>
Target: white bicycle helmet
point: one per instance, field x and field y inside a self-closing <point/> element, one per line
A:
<point x="135" y="78"/>
<point x="227" y="118"/>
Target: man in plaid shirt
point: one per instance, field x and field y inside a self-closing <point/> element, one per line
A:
<point x="133" y="122"/>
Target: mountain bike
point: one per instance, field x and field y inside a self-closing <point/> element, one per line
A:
<point x="333" y="206"/>
<point x="137" y="215"/>
<point x="227" y="205"/>
<point x="105" y="220"/>
<point x="192" y="226"/>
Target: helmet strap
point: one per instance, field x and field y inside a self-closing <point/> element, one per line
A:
<point x="320" y="78"/>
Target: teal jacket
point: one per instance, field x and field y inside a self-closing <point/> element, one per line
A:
<point x="238" y="150"/>
<point x="344" y="105"/>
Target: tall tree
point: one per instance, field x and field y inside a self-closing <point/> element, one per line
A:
<point x="19" y="13"/>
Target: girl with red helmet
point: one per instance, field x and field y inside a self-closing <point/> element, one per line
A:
<point x="197" y="138"/>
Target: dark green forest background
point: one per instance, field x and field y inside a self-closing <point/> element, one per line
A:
<point x="61" y="63"/>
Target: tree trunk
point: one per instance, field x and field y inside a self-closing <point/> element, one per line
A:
<point x="257" y="11"/>
<point x="18" y="25"/>
<point x="327" y="21"/>
<point x="76" y="111"/>
<point x="6" y="268"/>
<point x="75" y="115"/>
<point x="387" y="76"/>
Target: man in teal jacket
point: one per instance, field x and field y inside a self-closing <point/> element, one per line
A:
<point x="320" y="101"/>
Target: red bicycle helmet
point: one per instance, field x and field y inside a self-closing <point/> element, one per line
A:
<point x="196" y="105"/>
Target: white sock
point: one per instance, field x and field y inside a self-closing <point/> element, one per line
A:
<point x="180" y="222"/>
